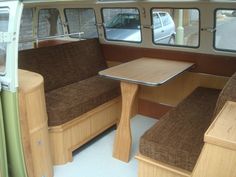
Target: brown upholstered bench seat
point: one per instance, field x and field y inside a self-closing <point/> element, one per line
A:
<point x="80" y="104"/>
<point x="68" y="102"/>
<point x="177" y="139"/>
<point x="72" y="86"/>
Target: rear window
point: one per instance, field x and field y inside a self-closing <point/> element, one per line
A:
<point x="225" y="28"/>
<point x="122" y="24"/>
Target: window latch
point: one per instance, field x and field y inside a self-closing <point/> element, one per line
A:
<point x="211" y="30"/>
<point x="147" y="26"/>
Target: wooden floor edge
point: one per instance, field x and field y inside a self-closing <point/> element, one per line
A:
<point x="163" y="165"/>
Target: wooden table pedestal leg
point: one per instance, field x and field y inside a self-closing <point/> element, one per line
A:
<point x="123" y="139"/>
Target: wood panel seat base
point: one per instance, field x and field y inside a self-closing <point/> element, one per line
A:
<point x="69" y="136"/>
<point x="148" y="167"/>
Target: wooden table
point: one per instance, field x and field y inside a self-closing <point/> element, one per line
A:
<point x="143" y="71"/>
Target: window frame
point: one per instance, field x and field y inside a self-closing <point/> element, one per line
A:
<point x="173" y="8"/>
<point x="46" y="37"/>
<point x="67" y="26"/>
<point x="214" y="33"/>
<point x="112" y="40"/>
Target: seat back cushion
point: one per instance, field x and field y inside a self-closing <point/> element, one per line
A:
<point x="64" y="64"/>
<point x="227" y="94"/>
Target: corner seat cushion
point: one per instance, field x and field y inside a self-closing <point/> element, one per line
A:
<point x="71" y="101"/>
<point x="177" y="139"/>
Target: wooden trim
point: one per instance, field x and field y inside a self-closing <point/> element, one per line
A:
<point x="73" y="134"/>
<point x="51" y="42"/>
<point x="152" y="168"/>
<point x="25" y="136"/>
<point x="93" y="136"/>
<point x="205" y="63"/>
<point x="29" y="81"/>
<point x="152" y="109"/>
<point x="215" y="161"/>
<point x="34" y="128"/>
<point x="222" y="131"/>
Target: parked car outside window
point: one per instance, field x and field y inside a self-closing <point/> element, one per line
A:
<point x="126" y="27"/>
<point x="163" y="28"/>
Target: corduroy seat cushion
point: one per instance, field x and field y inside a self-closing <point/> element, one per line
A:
<point x="71" y="101"/>
<point x="177" y="139"/>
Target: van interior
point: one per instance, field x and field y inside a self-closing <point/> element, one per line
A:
<point x="119" y="88"/>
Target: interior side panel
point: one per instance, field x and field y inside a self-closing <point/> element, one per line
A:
<point x="205" y="63"/>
